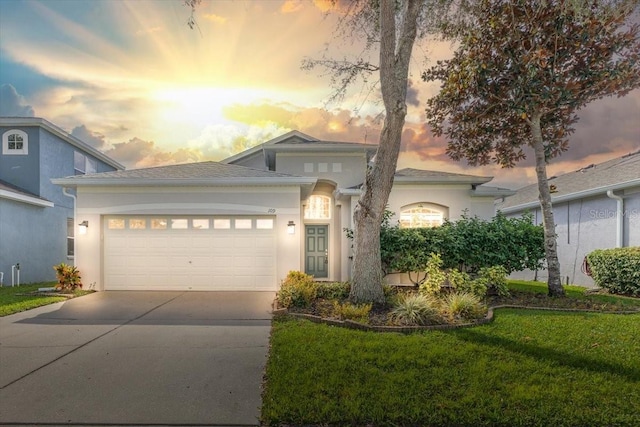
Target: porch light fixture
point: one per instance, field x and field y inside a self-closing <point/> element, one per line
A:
<point x="291" y="228"/>
<point x="83" y="226"/>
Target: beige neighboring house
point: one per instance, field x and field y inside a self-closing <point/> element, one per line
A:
<point x="245" y="222"/>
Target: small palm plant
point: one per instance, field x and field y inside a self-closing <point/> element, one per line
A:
<point x="68" y="277"/>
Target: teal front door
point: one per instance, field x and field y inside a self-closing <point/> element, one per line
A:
<point x="316" y="250"/>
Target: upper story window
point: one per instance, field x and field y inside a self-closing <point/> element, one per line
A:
<point x="422" y="215"/>
<point x="83" y="164"/>
<point x="318" y="207"/>
<point x="15" y="142"/>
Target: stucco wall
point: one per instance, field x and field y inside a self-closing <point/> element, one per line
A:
<point x="22" y="170"/>
<point x="94" y="203"/>
<point x="351" y="172"/>
<point x="32" y="236"/>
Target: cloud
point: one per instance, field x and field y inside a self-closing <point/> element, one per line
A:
<point x="95" y="139"/>
<point x="138" y="153"/>
<point x="290" y="6"/>
<point x="217" y="19"/>
<point x="12" y="104"/>
<point x="150" y="30"/>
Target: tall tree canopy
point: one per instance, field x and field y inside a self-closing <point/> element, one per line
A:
<point x="521" y="73"/>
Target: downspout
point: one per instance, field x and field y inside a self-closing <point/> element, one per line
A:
<point x="75" y="216"/>
<point x="619" y="217"/>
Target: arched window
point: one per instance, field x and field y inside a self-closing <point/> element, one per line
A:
<point x="318" y="207"/>
<point x="15" y="142"/>
<point x="422" y="215"/>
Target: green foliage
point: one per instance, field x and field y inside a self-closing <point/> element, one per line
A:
<point x="68" y="277"/>
<point x="416" y="309"/>
<point x="461" y="281"/>
<point x="297" y="290"/>
<point x="17" y="299"/>
<point x="495" y="279"/>
<point x="462" y="305"/>
<point x="492" y="375"/>
<point x="435" y="276"/>
<point x="617" y="270"/>
<point x="357" y="313"/>
<point x="333" y="290"/>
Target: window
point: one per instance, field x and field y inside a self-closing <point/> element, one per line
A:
<point x="158" y="224"/>
<point x="421" y="215"/>
<point x="308" y="167"/>
<point x="200" y="224"/>
<point x="264" y="224"/>
<point x="318" y="207"/>
<point x="179" y="224"/>
<point x="15" y="142"/>
<point x="83" y="164"/>
<point x="322" y="167"/>
<point x="70" y="237"/>
<point x="222" y="224"/>
<point x="243" y="224"/>
<point x="336" y="167"/>
<point x="115" y="224"/>
<point x="137" y="224"/>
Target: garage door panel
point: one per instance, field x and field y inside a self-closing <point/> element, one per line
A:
<point x="190" y="259"/>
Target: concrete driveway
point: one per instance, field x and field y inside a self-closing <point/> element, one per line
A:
<point x="127" y="358"/>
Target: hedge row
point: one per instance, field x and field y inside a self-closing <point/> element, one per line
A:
<point x="468" y="244"/>
<point x="617" y="270"/>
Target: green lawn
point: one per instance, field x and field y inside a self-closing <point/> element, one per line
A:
<point x="11" y="302"/>
<point x="527" y="368"/>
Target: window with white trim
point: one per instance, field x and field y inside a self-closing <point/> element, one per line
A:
<point x="318" y="207"/>
<point x="83" y="164"/>
<point x="70" y="237"/>
<point x="15" y="142"/>
<point x="422" y="215"/>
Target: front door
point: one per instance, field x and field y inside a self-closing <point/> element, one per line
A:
<point x="317" y="250"/>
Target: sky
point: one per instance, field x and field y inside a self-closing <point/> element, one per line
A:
<point x="132" y="79"/>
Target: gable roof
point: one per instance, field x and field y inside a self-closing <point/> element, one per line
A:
<point x="296" y="141"/>
<point x="418" y="176"/>
<point x="72" y="140"/>
<point x="202" y="173"/>
<point x="11" y="192"/>
<point x="616" y="174"/>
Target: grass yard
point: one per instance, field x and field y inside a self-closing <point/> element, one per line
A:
<point x="11" y="302"/>
<point x="527" y="368"/>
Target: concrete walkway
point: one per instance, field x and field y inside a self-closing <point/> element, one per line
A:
<point x="127" y="358"/>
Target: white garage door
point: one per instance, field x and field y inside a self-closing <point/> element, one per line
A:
<point x="189" y="253"/>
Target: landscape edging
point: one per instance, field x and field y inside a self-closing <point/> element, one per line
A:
<point x="350" y="324"/>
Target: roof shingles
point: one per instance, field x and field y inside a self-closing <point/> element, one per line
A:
<point x="613" y="172"/>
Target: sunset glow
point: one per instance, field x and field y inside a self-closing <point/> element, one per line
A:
<point x="131" y="78"/>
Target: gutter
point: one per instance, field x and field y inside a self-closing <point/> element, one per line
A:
<point x="580" y="194"/>
<point x="181" y="182"/>
<point x="619" y="217"/>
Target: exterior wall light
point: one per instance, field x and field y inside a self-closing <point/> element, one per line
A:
<point x="291" y="228"/>
<point x="83" y="226"/>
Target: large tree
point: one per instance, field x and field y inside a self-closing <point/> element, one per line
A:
<point x="392" y="27"/>
<point x="522" y="71"/>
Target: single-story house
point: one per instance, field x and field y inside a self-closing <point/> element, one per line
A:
<point x="595" y="207"/>
<point x="245" y="222"/>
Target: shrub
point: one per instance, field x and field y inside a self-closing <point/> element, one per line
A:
<point x="333" y="290"/>
<point x="462" y="305"/>
<point x="617" y="270"/>
<point x="495" y="279"/>
<point x="297" y="290"/>
<point x="461" y="281"/>
<point x="358" y="313"/>
<point x="416" y="309"/>
<point x="435" y="276"/>
<point x="68" y="277"/>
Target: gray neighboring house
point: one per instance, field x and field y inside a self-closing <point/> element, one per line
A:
<point x="37" y="221"/>
<point x="596" y="207"/>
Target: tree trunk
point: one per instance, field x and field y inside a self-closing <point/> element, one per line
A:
<point x="554" y="281"/>
<point x="366" y="285"/>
